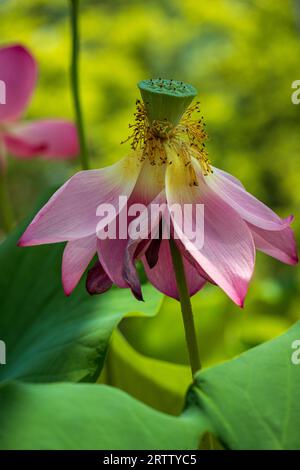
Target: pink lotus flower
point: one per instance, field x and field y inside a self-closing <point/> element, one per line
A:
<point x="49" y="138"/>
<point x="168" y="164"/>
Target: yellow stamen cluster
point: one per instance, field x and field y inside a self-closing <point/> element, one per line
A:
<point x="194" y="131"/>
<point x="187" y="139"/>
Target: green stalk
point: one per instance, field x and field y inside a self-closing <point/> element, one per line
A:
<point x="6" y="211"/>
<point x="74" y="4"/>
<point x="186" y="308"/>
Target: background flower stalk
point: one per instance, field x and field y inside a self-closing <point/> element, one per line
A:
<point x="74" y="77"/>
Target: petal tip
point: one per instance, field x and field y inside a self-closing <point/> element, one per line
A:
<point x="22" y="242"/>
<point x="27" y="241"/>
<point x="289" y="219"/>
<point x="137" y="292"/>
<point x="239" y="299"/>
<point x="294" y="260"/>
<point x="67" y="288"/>
<point x="20" y="48"/>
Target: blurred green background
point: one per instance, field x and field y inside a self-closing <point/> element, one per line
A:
<point x="243" y="57"/>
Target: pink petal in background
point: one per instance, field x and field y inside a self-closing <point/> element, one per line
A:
<point x="53" y="139"/>
<point x="18" y="70"/>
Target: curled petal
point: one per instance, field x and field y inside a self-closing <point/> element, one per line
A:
<point x="149" y="225"/>
<point x="152" y="252"/>
<point x="248" y="207"/>
<point x="111" y="250"/>
<point x="162" y="274"/>
<point x="18" y="74"/>
<point x="53" y="139"/>
<point x="279" y="244"/>
<point x="76" y="258"/>
<point x="111" y="255"/>
<point x="228" y="253"/>
<point x="97" y="281"/>
<point x="71" y="212"/>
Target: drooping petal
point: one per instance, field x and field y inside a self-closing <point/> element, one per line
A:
<point x="97" y="281"/>
<point x="188" y="255"/>
<point x="141" y="242"/>
<point x="162" y="274"/>
<point x="111" y="254"/>
<point x="18" y="73"/>
<point x="116" y="255"/>
<point x="111" y="250"/>
<point x="152" y="252"/>
<point x="230" y="177"/>
<point x="71" y="212"/>
<point x="76" y="258"/>
<point x="248" y="207"/>
<point x="53" y="139"/>
<point x="228" y="251"/>
<point x="280" y="244"/>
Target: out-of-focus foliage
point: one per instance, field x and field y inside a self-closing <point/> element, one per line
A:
<point x="249" y="403"/>
<point x="252" y="400"/>
<point x="90" y="417"/>
<point x="243" y="57"/>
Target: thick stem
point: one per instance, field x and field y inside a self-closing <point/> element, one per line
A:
<point x="6" y="211"/>
<point x="186" y="308"/>
<point x="75" y="84"/>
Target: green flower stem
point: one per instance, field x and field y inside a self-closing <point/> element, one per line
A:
<point x="6" y="211"/>
<point x="186" y="308"/>
<point x="75" y="84"/>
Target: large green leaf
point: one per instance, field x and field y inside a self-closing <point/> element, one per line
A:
<point x="160" y="384"/>
<point x="48" y="336"/>
<point x="39" y="416"/>
<point x="252" y="402"/>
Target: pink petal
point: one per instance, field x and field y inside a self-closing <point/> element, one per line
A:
<point x="280" y="244"/>
<point x="21" y="148"/>
<point x="111" y="251"/>
<point x="162" y="274"/>
<point x="54" y="139"/>
<point x="148" y="223"/>
<point x="228" y="252"/>
<point x="248" y="207"/>
<point x="71" y="212"/>
<point x="152" y="252"/>
<point x="230" y="177"/>
<point x="111" y="254"/>
<point x="97" y="281"/>
<point x="18" y="70"/>
<point x="76" y="258"/>
<point x="150" y="183"/>
<point x="188" y="255"/>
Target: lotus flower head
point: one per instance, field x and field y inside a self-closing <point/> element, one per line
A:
<point x="168" y="167"/>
